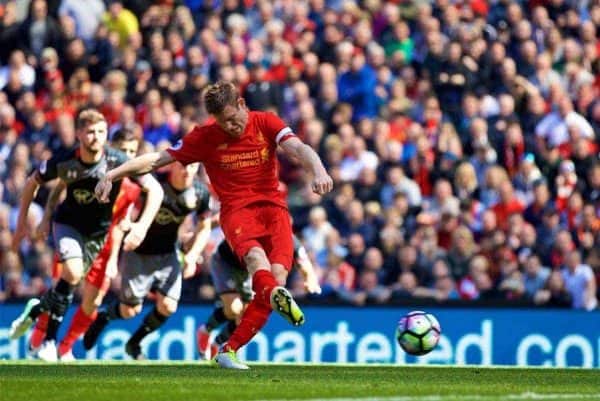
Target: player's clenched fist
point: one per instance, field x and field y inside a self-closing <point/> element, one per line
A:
<point x="322" y="183"/>
<point x="103" y="189"/>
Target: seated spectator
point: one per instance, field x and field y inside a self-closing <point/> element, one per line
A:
<point x="467" y="286"/>
<point x="535" y="276"/>
<point x="554" y="294"/>
<point x="579" y="282"/>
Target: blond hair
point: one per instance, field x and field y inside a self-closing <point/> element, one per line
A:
<point x="87" y="117"/>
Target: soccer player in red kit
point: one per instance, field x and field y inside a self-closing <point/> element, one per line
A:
<point x="104" y="266"/>
<point x="238" y="151"/>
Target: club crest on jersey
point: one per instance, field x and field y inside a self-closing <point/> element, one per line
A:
<point x="264" y="154"/>
<point x="260" y="137"/>
<point x="166" y="216"/>
<point x="83" y="196"/>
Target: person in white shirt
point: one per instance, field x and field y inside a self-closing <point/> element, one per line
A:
<point x="87" y="15"/>
<point x="579" y="282"/>
<point x="17" y="63"/>
<point x="554" y="128"/>
<point x="315" y="234"/>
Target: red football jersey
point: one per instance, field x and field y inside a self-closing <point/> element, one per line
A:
<point x="128" y="195"/>
<point x="241" y="170"/>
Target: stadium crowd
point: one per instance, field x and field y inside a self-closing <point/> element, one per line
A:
<point x="462" y="136"/>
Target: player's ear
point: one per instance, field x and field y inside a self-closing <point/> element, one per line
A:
<point x="241" y="103"/>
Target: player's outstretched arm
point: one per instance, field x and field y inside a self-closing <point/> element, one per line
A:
<point x="137" y="230"/>
<point x="296" y="149"/>
<point x="29" y="191"/>
<point x="43" y="230"/>
<point x="140" y="165"/>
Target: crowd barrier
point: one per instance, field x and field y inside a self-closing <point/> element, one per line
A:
<point x="522" y="337"/>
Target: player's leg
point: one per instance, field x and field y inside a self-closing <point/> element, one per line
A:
<point x="38" y="334"/>
<point x="229" y="307"/>
<point x="280" y="251"/>
<point x="57" y="300"/>
<point x="84" y="316"/>
<point x="70" y="246"/>
<point x="243" y="283"/>
<point x="135" y="285"/>
<point x="245" y="230"/>
<point x="168" y="285"/>
<point x="95" y="288"/>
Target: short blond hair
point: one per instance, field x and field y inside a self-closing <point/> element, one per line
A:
<point x="87" y="117"/>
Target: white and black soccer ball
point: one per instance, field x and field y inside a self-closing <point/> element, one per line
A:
<point x="418" y="332"/>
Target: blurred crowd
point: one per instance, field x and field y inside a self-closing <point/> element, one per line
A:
<point x="462" y="136"/>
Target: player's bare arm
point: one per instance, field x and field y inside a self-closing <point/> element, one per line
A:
<point x="117" y="235"/>
<point x="140" y="165"/>
<point x="138" y="229"/>
<point x="201" y="237"/>
<point x="29" y="190"/>
<point x="43" y="229"/>
<point x="311" y="280"/>
<point x="296" y="149"/>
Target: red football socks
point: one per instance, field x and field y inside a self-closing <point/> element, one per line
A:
<point x="263" y="283"/>
<point x="253" y="319"/>
<point x="39" y="331"/>
<point x="80" y="323"/>
<point x="257" y="313"/>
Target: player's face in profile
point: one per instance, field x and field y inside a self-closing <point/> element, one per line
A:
<point x="233" y="119"/>
<point x="93" y="136"/>
<point x="130" y="148"/>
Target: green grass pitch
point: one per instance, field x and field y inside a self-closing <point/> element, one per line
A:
<point x="117" y="381"/>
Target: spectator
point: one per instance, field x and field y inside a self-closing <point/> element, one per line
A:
<point x="357" y="87"/>
<point x="121" y="21"/>
<point x="86" y="16"/>
<point x="314" y="235"/>
<point x="579" y="282"/>
<point x="39" y="30"/>
<point x="554" y="293"/>
<point x="535" y="276"/>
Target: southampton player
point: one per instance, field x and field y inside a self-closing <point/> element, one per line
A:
<point x="104" y="267"/>
<point x="154" y="264"/>
<point x="239" y="153"/>
<point x="234" y="288"/>
<point x="81" y="222"/>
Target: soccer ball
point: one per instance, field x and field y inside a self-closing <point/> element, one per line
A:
<point x="418" y="332"/>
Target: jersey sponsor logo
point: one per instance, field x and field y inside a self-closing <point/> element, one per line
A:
<point x="240" y="160"/>
<point x="222" y="146"/>
<point x="83" y="196"/>
<point x="166" y="216"/>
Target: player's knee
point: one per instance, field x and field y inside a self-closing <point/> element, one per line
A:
<point x="280" y="274"/>
<point x="256" y="258"/>
<point x="167" y="306"/>
<point x="129" y="311"/>
<point x="233" y="309"/>
<point x="72" y="277"/>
